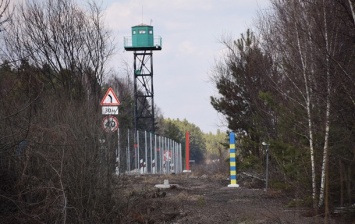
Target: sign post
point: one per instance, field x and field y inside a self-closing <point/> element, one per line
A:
<point x="110" y="124"/>
<point x="110" y="105"/>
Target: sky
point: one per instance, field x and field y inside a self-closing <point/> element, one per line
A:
<point x="191" y="31"/>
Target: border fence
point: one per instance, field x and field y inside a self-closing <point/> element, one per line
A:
<point x="143" y="152"/>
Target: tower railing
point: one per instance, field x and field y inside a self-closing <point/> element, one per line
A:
<point x="128" y="43"/>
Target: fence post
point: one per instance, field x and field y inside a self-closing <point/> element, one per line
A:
<point x="161" y="154"/>
<point x="128" y="153"/>
<point x="155" y="155"/>
<point x="180" y="157"/>
<point x="145" y="163"/>
<point x="138" y="154"/>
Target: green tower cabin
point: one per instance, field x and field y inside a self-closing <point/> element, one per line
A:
<point x="143" y="42"/>
<point x="142" y="39"/>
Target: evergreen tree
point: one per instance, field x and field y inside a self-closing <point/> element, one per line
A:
<point x="240" y="78"/>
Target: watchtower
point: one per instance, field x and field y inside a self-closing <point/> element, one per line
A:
<point x="143" y="43"/>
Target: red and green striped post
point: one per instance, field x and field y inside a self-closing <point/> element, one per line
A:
<point x="232" y="161"/>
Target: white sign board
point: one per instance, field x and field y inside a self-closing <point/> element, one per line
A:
<point x="110" y="110"/>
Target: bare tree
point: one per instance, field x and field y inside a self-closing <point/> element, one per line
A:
<point x="57" y="161"/>
<point x="4" y="13"/>
<point x="304" y="39"/>
<point x="291" y="48"/>
<point x="352" y="10"/>
<point x="73" y="43"/>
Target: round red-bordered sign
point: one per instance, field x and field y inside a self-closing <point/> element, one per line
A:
<point x="110" y="124"/>
<point x="167" y="155"/>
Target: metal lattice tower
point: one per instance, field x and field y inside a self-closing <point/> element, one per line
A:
<point x="143" y="43"/>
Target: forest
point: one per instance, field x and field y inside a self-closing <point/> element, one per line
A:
<point x="292" y="85"/>
<point x="288" y="82"/>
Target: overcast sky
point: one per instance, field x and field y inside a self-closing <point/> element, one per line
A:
<point x="190" y="30"/>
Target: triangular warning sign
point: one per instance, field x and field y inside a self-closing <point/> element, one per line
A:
<point x="110" y="99"/>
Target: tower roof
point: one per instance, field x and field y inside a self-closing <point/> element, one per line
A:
<point x="142" y="24"/>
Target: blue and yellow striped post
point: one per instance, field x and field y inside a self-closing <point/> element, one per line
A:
<point x="232" y="161"/>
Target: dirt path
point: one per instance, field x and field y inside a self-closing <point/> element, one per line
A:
<point x="207" y="200"/>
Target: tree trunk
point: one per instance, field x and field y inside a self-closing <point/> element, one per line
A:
<point x="352" y="10"/>
<point x="349" y="180"/>
<point x="325" y="154"/>
<point x="309" y="114"/>
<point x="341" y="170"/>
<point x="326" y="210"/>
<point x="327" y="115"/>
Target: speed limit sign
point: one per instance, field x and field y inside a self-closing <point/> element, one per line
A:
<point x="110" y="123"/>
